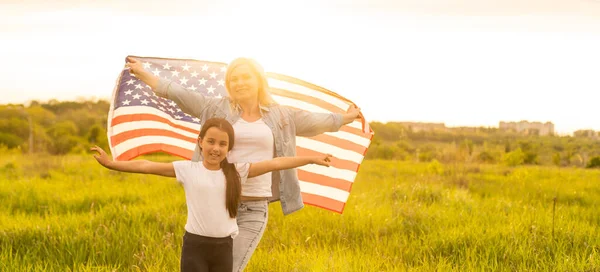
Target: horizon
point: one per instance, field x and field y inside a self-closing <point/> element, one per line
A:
<point x="108" y="100"/>
<point x="459" y="62"/>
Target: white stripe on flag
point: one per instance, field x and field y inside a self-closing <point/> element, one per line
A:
<point x="329" y="149"/>
<point x="350" y="137"/>
<point x="298" y="104"/>
<point x="279" y="84"/>
<point x="144" y="140"/>
<point x="331" y="171"/>
<point x="148" y="110"/>
<point x="324" y="191"/>
<point x="355" y="124"/>
<point x="135" y="125"/>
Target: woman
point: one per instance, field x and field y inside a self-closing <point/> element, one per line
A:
<point x="263" y="130"/>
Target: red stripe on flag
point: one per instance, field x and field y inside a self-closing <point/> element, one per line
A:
<point x="149" y="117"/>
<point x="307" y="85"/>
<point x="356" y="131"/>
<point x="341" y="143"/>
<point x="324" y="180"/>
<point x="323" y="202"/>
<point x="335" y="162"/>
<point x="124" y="136"/>
<point x="152" y="148"/>
<point x="307" y="98"/>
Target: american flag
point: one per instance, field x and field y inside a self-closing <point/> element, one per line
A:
<point x="140" y="122"/>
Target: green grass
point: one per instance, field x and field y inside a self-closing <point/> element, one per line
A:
<point x="70" y="214"/>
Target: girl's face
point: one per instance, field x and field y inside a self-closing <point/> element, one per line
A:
<point x="243" y="84"/>
<point x="214" y="145"/>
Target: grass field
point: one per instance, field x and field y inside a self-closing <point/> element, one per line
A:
<point x="70" y="214"/>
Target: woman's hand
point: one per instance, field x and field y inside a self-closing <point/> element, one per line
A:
<point x="352" y="114"/>
<point x="324" y="160"/>
<point x="136" y="68"/>
<point x="102" y="157"/>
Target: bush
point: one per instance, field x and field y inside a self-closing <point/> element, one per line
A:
<point x="594" y="163"/>
<point x="514" y="158"/>
<point x="435" y="167"/>
<point x="10" y="140"/>
<point x="486" y="157"/>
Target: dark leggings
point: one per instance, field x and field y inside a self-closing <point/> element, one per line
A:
<point x="201" y="253"/>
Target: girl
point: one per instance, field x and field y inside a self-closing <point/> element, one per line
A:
<point x="212" y="189"/>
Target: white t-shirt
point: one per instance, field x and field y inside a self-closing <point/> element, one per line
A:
<point x="253" y="143"/>
<point x="205" y="198"/>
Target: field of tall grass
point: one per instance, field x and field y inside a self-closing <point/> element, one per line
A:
<point x="70" y="214"/>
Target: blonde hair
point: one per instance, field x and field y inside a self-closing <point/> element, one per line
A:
<point x="264" y="96"/>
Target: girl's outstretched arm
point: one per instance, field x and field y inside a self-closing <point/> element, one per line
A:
<point x="136" y="166"/>
<point x="259" y="168"/>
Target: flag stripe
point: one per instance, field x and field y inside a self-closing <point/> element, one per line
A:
<point x="331" y="171"/>
<point x="341" y="143"/>
<point x="154" y="123"/>
<point x="355" y="131"/>
<point x="135" y="110"/>
<point x="329" y="149"/>
<point x="126" y="119"/>
<point x="299" y="104"/>
<point x="323" y="202"/>
<point x="308" y="85"/>
<point x="135" y="142"/>
<point x="335" y="161"/>
<point x="324" y="191"/>
<point x="124" y="136"/>
<point x="315" y="101"/>
<point x="357" y="125"/>
<point x="324" y="180"/>
<point x="283" y="85"/>
<point x="365" y="142"/>
<point x="151" y="148"/>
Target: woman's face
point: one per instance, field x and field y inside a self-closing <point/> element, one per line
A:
<point x="243" y="84"/>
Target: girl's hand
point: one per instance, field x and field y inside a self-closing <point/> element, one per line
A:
<point x="101" y="157"/>
<point x="322" y="160"/>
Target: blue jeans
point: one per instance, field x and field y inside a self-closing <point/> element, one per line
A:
<point x="252" y="220"/>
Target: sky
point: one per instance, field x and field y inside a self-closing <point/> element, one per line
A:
<point x="458" y="62"/>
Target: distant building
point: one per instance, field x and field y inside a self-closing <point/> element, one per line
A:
<point x="416" y="126"/>
<point x="529" y="128"/>
<point x="587" y="133"/>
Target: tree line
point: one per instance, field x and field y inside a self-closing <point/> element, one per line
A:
<point x="482" y="145"/>
<point x="54" y="127"/>
<point x="61" y="127"/>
